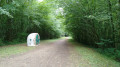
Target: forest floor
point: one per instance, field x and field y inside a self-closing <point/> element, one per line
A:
<point x="59" y="53"/>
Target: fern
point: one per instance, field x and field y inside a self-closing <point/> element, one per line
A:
<point x="4" y="12"/>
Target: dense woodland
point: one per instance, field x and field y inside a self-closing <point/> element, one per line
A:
<point x="18" y="18"/>
<point x="95" y="23"/>
<point x="91" y="22"/>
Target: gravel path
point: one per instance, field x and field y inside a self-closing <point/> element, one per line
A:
<point x="56" y="54"/>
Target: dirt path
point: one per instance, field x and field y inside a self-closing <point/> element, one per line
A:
<point x="56" y="54"/>
<point x="59" y="53"/>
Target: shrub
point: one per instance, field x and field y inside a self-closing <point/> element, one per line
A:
<point x="105" y="43"/>
<point x="1" y="42"/>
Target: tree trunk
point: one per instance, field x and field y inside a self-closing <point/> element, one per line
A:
<point x="111" y="21"/>
<point x="119" y="11"/>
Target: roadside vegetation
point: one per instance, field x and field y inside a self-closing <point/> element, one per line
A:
<point x="11" y="50"/>
<point x="95" y="23"/>
<point x="18" y="18"/>
<point x="16" y="49"/>
<point x="92" y="57"/>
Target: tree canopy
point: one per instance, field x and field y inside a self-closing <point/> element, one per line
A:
<point x="92" y="21"/>
<point x="18" y="18"/>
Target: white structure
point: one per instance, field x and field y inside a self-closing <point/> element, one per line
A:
<point x="33" y="39"/>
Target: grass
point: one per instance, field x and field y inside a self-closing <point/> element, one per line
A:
<point x="50" y="40"/>
<point x="93" y="58"/>
<point x="9" y="50"/>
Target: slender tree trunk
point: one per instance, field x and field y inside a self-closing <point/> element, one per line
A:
<point x="118" y="34"/>
<point x="111" y="21"/>
<point x="118" y="27"/>
<point x="119" y="11"/>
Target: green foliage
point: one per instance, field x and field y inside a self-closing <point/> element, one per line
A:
<point x="105" y="43"/>
<point x="88" y="21"/>
<point x="1" y="42"/>
<point x="4" y="12"/>
<point x="110" y="52"/>
<point x="93" y="22"/>
<point x="18" y="18"/>
<point x="93" y="57"/>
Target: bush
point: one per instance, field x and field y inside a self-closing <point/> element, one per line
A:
<point x="105" y="43"/>
<point x="117" y="55"/>
<point x="22" y="37"/>
<point x="110" y="52"/>
<point x="1" y="42"/>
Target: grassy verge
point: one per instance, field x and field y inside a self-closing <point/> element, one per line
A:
<point x="93" y="58"/>
<point x="9" y="50"/>
<point x="6" y="51"/>
<point x="50" y="40"/>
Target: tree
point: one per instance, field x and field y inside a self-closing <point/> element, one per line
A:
<point x="18" y="18"/>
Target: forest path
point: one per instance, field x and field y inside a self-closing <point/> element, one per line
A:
<point x="55" y="54"/>
<point x="60" y="53"/>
